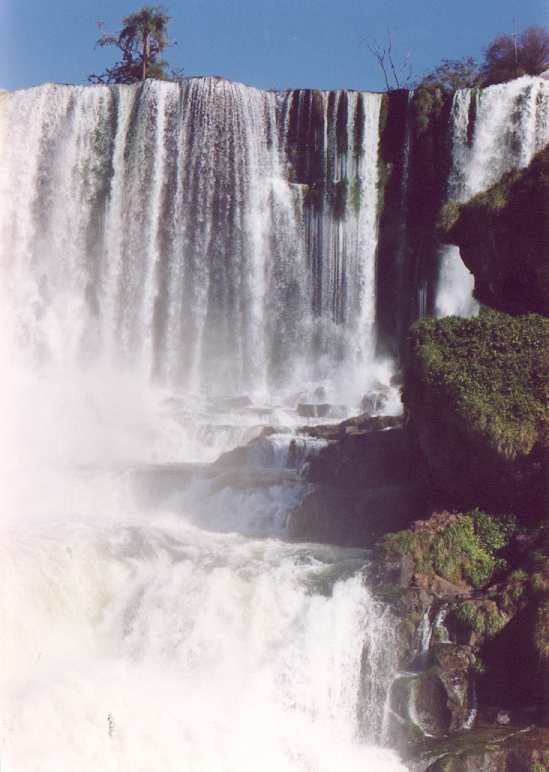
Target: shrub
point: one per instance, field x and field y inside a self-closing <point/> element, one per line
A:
<point x="465" y="550"/>
<point x="510" y="56"/>
<point x="489" y="373"/>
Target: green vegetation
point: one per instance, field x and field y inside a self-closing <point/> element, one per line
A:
<point x="428" y="106"/>
<point x="489" y="373"/>
<point x="484" y="617"/>
<point x="141" y="41"/>
<point x="505" y="58"/>
<point x="355" y="194"/>
<point x="452" y="74"/>
<point x="541" y="630"/>
<point x="463" y="549"/>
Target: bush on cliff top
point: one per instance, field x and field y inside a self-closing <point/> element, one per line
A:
<point x="490" y="373"/>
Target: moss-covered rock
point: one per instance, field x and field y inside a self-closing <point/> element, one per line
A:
<point x="456" y="547"/>
<point x="475" y="398"/>
<point x="503" y="236"/>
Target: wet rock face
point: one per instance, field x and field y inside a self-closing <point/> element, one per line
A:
<point x="438" y="701"/>
<point x="320" y="410"/>
<point x="454" y="672"/>
<point x="363" y="484"/>
<point x="349" y="518"/>
<point x="488" y="750"/>
<point x="364" y="461"/>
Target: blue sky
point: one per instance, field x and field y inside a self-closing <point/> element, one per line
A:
<point x="266" y="43"/>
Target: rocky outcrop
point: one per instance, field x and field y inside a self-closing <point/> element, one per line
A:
<point x="503" y="237"/>
<point x="490" y="749"/>
<point x="476" y="407"/>
<point x="363" y="484"/>
<point x="470" y="591"/>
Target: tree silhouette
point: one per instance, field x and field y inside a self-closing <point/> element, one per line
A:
<point x="142" y="39"/>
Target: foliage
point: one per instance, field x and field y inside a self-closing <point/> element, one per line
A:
<point x="494" y="533"/>
<point x="541" y="629"/>
<point x="488" y="373"/>
<point x="451" y="75"/>
<point x="505" y="58"/>
<point x="509" y="56"/>
<point x="142" y="39"/>
<point x="463" y="550"/>
<point x="428" y="105"/>
<point x="484" y="617"/>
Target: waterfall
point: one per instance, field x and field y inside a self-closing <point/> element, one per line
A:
<point x="493" y="132"/>
<point x="184" y="264"/>
<point x="164" y="227"/>
<point x="167" y="281"/>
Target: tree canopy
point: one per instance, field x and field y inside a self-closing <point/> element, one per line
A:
<point x="142" y="40"/>
<point x="505" y="58"/>
<point x="509" y="56"/>
<point x="452" y="74"/>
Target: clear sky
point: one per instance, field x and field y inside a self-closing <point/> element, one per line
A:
<point x="265" y="43"/>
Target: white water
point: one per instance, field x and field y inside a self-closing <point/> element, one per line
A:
<point x="155" y="227"/>
<point x="142" y="631"/>
<point x="511" y="126"/>
<point x="153" y="617"/>
<point x="156" y="255"/>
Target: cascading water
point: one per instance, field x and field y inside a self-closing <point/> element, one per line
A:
<point x="178" y="261"/>
<point x="493" y="131"/>
<point x="156" y="262"/>
<point x="158" y="224"/>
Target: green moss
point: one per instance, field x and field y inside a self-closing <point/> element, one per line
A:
<point x="355" y="194"/>
<point x="516" y="587"/>
<point x="485" y="618"/>
<point x="489" y="373"/>
<point x="541" y="630"/>
<point x="463" y="551"/>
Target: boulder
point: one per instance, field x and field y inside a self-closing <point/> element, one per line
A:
<point x="353" y="519"/>
<point x="364" y="460"/>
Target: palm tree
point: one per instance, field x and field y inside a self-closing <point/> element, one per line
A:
<point x="142" y="39"/>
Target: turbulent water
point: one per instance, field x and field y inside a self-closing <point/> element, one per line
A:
<point x="183" y="264"/>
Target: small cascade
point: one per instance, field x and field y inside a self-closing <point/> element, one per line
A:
<point x="493" y="131"/>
